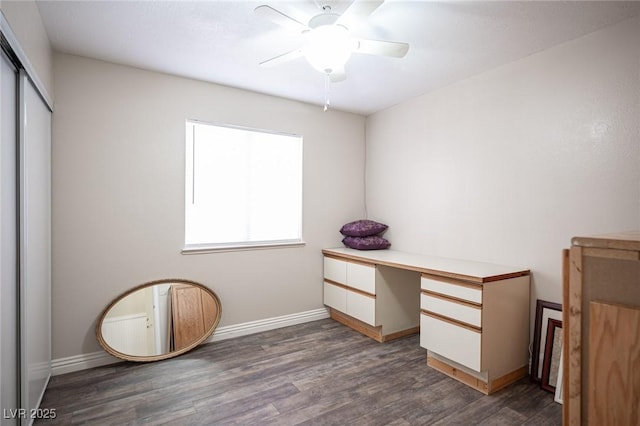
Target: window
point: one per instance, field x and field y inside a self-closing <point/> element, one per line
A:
<point x="243" y="187"/>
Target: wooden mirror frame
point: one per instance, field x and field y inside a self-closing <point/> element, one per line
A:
<point x="167" y="355"/>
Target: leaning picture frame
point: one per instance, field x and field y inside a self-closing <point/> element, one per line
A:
<point x="552" y="354"/>
<point x="545" y="310"/>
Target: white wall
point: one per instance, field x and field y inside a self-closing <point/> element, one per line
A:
<point x="118" y="194"/>
<point x="507" y="166"/>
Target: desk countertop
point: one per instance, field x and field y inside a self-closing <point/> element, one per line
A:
<point x="478" y="272"/>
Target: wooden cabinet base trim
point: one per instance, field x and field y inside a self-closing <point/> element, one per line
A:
<point x="399" y="334"/>
<point x="474" y="382"/>
<point x="368" y="330"/>
<point x="507" y="379"/>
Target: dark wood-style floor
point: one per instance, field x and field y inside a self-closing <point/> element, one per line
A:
<point x="315" y="373"/>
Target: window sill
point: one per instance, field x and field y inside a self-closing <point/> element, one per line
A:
<point x="203" y="249"/>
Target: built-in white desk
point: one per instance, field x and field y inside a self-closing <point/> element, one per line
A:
<point x="473" y="317"/>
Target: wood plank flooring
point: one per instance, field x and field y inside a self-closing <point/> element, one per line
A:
<point x="315" y="373"/>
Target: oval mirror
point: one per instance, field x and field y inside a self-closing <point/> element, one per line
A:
<point x="158" y="320"/>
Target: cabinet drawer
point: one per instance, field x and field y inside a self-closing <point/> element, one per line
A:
<point x="457" y="343"/>
<point x="335" y="270"/>
<point x="361" y="307"/>
<point x="335" y="297"/>
<point x="459" y="291"/>
<point x="361" y="277"/>
<point x="448" y="308"/>
<point x="355" y="275"/>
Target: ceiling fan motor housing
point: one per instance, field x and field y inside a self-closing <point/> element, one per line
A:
<point x="323" y="19"/>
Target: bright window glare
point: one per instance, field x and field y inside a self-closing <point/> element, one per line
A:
<point x="243" y="187"/>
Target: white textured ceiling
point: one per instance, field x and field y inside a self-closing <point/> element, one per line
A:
<point x="224" y="41"/>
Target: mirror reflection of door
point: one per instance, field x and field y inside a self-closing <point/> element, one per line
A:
<point x="192" y="314"/>
<point x="158" y="320"/>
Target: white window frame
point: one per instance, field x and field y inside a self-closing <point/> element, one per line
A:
<point x="213" y="246"/>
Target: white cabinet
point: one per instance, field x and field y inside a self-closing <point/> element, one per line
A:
<point x="335" y="270"/>
<point x="356" y="276"/>
<point x="335" y="297"/>
<point x="380" y="302"/>
<point x="459" y="344"/>
<point x="350" y="288"/>
<point x="451" y="320"/>
<point x="362" y="307"/>
<point x="464" y="313"/>
<point x="361" y="277"/>
<point x="454" y="289"/>
<point x="357" y="305"/>
<point x="473" y="317"/>
<point x="476" y="332"/>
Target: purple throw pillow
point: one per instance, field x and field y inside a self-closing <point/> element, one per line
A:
<point x="363" y="228"/>
<point x="372" y="242"/>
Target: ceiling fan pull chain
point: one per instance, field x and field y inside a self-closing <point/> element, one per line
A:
<point x="327" y="82"/>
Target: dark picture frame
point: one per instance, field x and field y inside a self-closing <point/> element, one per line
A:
<point x="544" y="311"/>
<point x="552" y="353"/>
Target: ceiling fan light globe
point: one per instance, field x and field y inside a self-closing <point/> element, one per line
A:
<point x="329" y="47"/>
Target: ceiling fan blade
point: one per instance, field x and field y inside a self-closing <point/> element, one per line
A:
<point x="358" y="12"/>
<point x="279" y="18"/>
<point x="338" y="75"/>
<point x="382" y="48"/>
<point x="285" y="57"/>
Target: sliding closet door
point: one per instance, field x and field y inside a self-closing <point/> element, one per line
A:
<point x="9" y="365"/>
<point x="35" y="243"/>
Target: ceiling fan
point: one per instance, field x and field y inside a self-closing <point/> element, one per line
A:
<point x="327" y="40"/>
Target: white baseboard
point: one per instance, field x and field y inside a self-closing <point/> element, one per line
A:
<point x="231" y="331"/>
<point x="100" y="358"/>
<point x="81" y="362"/>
